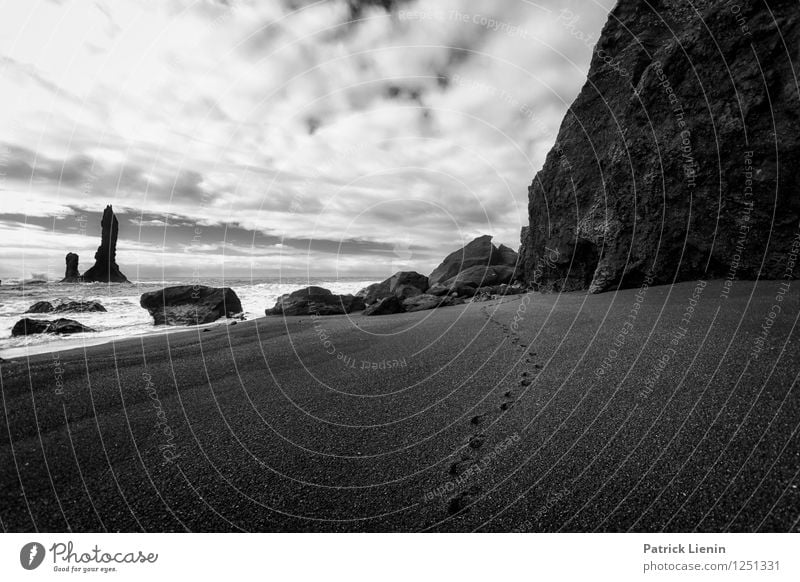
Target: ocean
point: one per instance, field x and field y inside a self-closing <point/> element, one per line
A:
<point x="125" y="318"/>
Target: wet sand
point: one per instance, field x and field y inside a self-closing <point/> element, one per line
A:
<point x="541" y="412"/>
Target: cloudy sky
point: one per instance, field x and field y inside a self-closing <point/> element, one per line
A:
<point x="252" y="138"/>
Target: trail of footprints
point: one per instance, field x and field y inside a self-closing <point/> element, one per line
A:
<point x="472" y="452"/>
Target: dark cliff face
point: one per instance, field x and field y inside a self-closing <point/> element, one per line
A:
<point x="105" y="267"/>
<point x="680" y="158"/>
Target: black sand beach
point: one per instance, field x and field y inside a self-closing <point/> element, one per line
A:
<point x="455" y="419"/>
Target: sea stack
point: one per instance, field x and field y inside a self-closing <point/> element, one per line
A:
<point x="105" y="269"/>
<point x="678" y="159"/>
<point x="71" y="275"/>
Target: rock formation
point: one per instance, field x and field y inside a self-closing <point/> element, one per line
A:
<point x="386" y="306"/>
<point x="27" y="326"/>
<point x="71" y="275"/>
<point x="478" y="253"/>
<point x="402" y="284"/>
<point x="79" y="306"/>
<point x="456" y="288"/>
<point x="426" y="301"/>
<point x="190" y="304"/>
<point x="105" y="269"/>
<point x="481" y="276"/>
<point x="478" y="264"/>
<point x="315" y="300"/>
<point x="679" y="157"/>
<point x="393" y="304"/>
<point x="40" y="307"/>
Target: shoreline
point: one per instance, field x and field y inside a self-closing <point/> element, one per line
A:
<point x="124" y="313"/>
<point x="484" y="429"/>
<point x="76" y="341"/>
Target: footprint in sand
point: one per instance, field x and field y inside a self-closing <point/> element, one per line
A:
<point x="459" y="467"/>
<point x="463" y="500"/>
<point x="481" y="418"/>
<point x="476" y="441"/>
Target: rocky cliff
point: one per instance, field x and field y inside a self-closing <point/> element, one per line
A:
<point x="105" y="269"/>
<point x="680" y="156"/>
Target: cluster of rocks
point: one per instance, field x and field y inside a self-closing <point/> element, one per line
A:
<point x="394" y="304"/>
<point x="478" y="264"/>
<point x="61" y="326"/>
<point x="178" y="305"/>
<point x="477" y="272"/>
<point x="66" y="306"/>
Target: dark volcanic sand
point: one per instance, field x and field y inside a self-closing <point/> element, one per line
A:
<point x="275" y="434"/>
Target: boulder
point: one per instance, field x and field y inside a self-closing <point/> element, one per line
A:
<point x="71" y="275"/>
<point x="105" y="269"/>
<point x="438" y="289"/>
<point x="478" y="253"/>
<point x="315" y="300"/>
<point x="386" y="306"/>
<point x="79" y="306"/>
<point x="402" y="284"/>
<point x="408" y="284"/>
<point x="40" y="307"/>
<point x="67" y="306"/>
<point x="27" y="326"/>
<point x="190" y="304"/>
<point x="62" y="326"/>
<point x="426" y="301"/>
<point x="458" y="288"/>
<point x="461" y="289"/>
<point x="678" y="159"/>
<point x="481" y="276"/>
<point x="372" y="293"/>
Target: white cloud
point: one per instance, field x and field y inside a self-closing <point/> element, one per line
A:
<point x="296" y="123"/>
